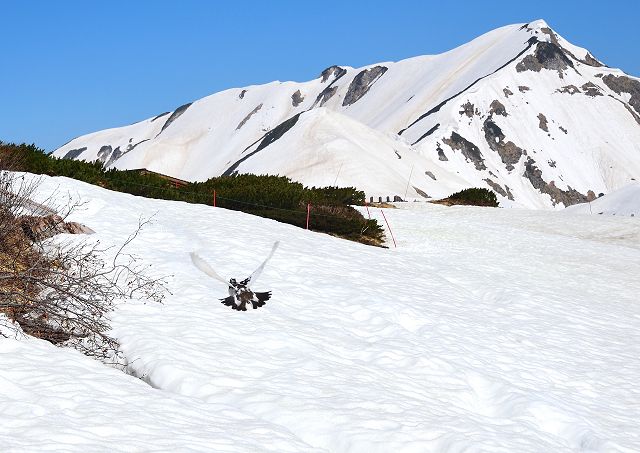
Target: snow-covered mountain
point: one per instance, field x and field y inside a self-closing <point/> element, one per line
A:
<point x="519" y="110"/>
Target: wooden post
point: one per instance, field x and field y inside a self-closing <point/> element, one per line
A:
<point x="214" y="198"/>
<point x="308" y="214"/>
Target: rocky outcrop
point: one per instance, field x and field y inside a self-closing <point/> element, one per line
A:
<point x="361" y="83"/>
<point x="441" y="154"/>
<point x="470" y="151"/>
<point x="567" y="197"/>
<point x="336" y="71"/>
<point x="507" y="92"/>
<point x="497" y="108"/>
<point x="174" y="116"/>
<point x="546" y="56"/>
<point x="543" y="122"/>
<point x="591" y="89"/>
<point x="249" y="115"/>
<point x="104" y="153"/>
<point x="508" y="151"/>
<point x="296" y="98"/>
<point x="624" y="84"/>
<point x="467" y="109"/>
<point x="74" y="153"/>
<point x="570" y="89"/>
<point x="523" y="88"/>
<point x="498" y="189"/>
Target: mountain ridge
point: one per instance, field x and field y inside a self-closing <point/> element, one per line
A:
<point x="463" y="118"/>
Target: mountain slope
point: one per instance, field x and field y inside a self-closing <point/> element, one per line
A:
<point x="519" y="110"/>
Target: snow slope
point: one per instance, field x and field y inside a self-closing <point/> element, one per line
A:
<point x="625" y="202"/>
<point x="519" y="110"/>
<point x="485" y="330"/>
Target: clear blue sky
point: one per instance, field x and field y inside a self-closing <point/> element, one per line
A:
<point x="72" y="67"/>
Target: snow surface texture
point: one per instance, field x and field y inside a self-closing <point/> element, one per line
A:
<point x="485" y="330"/>
<point x="544" y="123"/>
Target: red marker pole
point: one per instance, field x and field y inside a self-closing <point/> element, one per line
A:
<point x="385" y="219"/>
<point x="214" y="198"/>
<point x="366" y="205"/>
<point x="308" y="214"/>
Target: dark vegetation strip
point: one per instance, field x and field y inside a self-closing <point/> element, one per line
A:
<point x="274" y="197"/>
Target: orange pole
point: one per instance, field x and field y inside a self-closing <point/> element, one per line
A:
<point x="308" y="214"/>
<point x="385" y="219"/>
<point x="214" y="198"/>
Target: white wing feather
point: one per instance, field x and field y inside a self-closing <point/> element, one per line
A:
<point x="204" y="267"/>
<point x="258" y="271"/>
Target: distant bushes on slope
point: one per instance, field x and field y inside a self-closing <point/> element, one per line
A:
<point x="274" y="197"/>
<point x="474" y="196"/>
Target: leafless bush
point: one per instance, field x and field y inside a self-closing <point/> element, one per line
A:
<point x="62" y="290"/>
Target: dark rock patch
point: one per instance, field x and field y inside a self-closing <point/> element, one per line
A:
<point x="174" y="116"/>
<point x="72" y="154"/>
<point x="624" y="84"/>
<point x="497" y="108"/>
<point x="498" y="189"/>
<point x="397" y="154"/>
<point x="130" y="147"/>
<point x="115" y="155"/>
<point x="330" y="90"/>
<point x="268" y="138"/>
<point x="246" y="118"/>
<point x="160" y="116"/>
<point x="567" y="197"/>
<point x="508" y="151"/>
<point x="523" y="88"/>
<point x="430" y="175"/>
<point x="592" y="61"/>
<point x="552" y="163"/>
<point x="563" y="129"/>
<point x="361" y="83"/>
<point x="467" y="109"/>
<point x="591" y="89"/>
<point x="470" y="151"/>
<point x="507" y="92"/>
<point x="325" y="95"/>
<point x="104" y="153"/>
<point x="571" y="89"/>
<point x="547" y="55"/>
<point x="543" y="122"/>
<point x="441" y="155"/>
<point x="420" y="192"/>
<point x="296" y="98"/>
<point x="242" y="93"/>
<point x="332" y="70"/>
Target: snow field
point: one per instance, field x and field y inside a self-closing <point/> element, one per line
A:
<point x="485" y="330"/>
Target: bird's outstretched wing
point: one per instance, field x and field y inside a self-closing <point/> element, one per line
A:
<point x="204" y="267"/>
<point x="254" y="276"/>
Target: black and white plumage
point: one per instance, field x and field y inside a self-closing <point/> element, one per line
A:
<point x="240" y="293"/>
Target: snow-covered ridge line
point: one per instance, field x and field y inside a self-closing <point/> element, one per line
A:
<point x="519" y="110"/>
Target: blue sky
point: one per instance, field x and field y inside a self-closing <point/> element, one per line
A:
<point x="73" y="67"/>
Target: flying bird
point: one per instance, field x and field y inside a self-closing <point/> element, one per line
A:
<point x="240" y="293"/>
